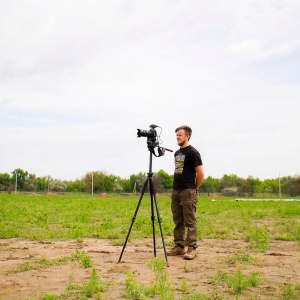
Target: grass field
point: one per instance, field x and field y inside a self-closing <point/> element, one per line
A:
<point x="62" y="217"/>
<point x="64" y="243"/>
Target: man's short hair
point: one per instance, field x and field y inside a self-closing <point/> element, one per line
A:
<point x="187" y="129"/>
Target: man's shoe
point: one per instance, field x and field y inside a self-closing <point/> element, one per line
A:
<point x="191" y="254"/>
<point x="176" y="251"/>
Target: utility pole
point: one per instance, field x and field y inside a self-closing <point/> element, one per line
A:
<point x="279" y="186"/>
<point x="92" y="183"/>
<point x="134" y="188"/>
<point x="16" y="187"/>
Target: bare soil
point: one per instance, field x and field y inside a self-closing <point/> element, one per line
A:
<point x="279" y="266"/>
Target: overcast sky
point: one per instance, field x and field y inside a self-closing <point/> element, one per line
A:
<point x="77" y="78"/>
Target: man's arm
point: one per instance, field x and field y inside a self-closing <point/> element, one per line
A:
<point x="199" y="176"/>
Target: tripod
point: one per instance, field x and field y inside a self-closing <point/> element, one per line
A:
<point x="153" y="202"/>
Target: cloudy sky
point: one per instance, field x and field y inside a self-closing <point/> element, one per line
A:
<point x="77" y="78"/>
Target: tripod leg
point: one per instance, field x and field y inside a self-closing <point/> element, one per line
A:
<point x="134" y="217"/>
<point x="153" y="219"/>
<point x="153" y="194"/>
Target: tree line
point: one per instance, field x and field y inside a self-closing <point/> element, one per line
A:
<point x="101" y="182"/>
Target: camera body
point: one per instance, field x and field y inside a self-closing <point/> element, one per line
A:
<point x="152" y="140"/>
<point x="151" y="134"/>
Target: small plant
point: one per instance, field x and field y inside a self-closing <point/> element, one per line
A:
<point x="186" y="268"/>
<point x="89" y="289"/>
<point x="290" y="292"/>
<point x="221" y="276"/>
<point x="158" y="266"/>
<point x="238" y="282"/>
<point x="79" y="239"/>
<point x="93" y="286"/>
<point x="133" y="289"/>
<point x="84" y="259"/>
<point x="184" y="286"/>
<point x="161" y="284"/>
<point x="240" y="256"/>
<point x="49" y="297"/>
<point x="43" y="262"/>
<point x="201" y="296"/>
<point x="258" y="238"/>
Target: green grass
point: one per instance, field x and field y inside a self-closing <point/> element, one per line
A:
<point x="75" y="216"/>
<point x="43" y="262"/>
<point x="78" y="216"/>
<point x="239" y="282"/>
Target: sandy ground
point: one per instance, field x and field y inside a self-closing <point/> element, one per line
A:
<point x="279" y="266"/>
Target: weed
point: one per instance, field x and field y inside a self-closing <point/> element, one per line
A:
<point x="76" y="216"/>
<point x="238" y="282"/>
<point x="43" y="262"/>
<point x="289" y="291"/>
<point x="133" y="289"/>
<point x="186" y="268"/>
<point x="93" y="286"/>
<point x="258" y="238"/>
<point x="240" y="256"/>
<point x="161" y="284"/>
<point x="184" y="286"/>
<point x="49" y="297"/>
<point x="89" y="289"/>
<point x="84" y="259"/>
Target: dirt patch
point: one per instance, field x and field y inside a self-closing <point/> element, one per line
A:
<point x="279" y="266"/>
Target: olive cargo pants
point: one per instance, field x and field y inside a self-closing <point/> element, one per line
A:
<point x="183" y="208"/>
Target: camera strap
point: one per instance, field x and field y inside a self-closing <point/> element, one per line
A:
<point x="160" y="150"/>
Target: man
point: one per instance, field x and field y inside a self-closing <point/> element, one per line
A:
<point x="188" y="177"/>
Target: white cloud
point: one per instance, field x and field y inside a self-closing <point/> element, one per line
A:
<point x="78" y="78"/>
<point x="253" y="49"/>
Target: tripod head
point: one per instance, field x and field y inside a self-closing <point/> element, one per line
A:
<point x="153" y="140"/>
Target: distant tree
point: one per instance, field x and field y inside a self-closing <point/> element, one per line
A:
<point x="42" y="183"/>
<point x="265" y="188"/>
<point x="31" y="183"/>
<point x="232" y="181"/>
<point x="75" y="186"/>
<point x="101" y="181"/>
<point x="230" y="191"/>
<point x="250" y="185"/>
<point x="138" y="181"/>
<point x="117" y="188"/>
<point x="21" y="177"/>
<point x="125" y="184"/>
<point x="167" y="180"/>
<point x="57" y="185"/>
<point x="293" y="186"/>
<point x="157" y="181"/>
<point x="4" y="181"/>
<point x="272" y="184"/>
<point x="210" y="185"/>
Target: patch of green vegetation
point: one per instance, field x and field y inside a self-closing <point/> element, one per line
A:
<point x="43" y="263"/>
<point x="289" y="291"/>
<point x="240" y="256"/>
<point x="258" y="238"/>
<point x="76" y="216"/>
<point x="161" y="286"/>
<point x="92" y="288"/>
<point x="238" y="282"/>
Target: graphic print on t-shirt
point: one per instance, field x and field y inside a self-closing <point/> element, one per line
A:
<point x="179" y="163"/>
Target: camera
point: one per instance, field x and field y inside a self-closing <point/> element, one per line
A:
<point x="152" y="140"/>
<point x="151" y="134"/>
<point x="148" y="133"/>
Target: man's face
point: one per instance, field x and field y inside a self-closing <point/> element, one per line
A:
<point x="182" y="137"/>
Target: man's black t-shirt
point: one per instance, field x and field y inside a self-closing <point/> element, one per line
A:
<point x="186" y="159"/>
